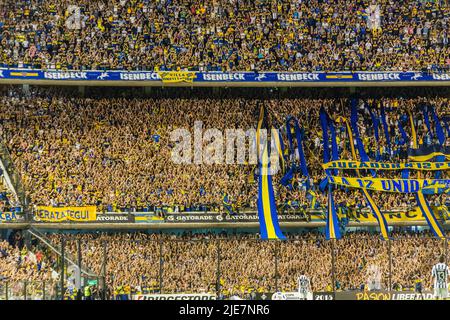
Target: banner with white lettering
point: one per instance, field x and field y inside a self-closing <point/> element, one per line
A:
<point x="186" y="296"/>
<point x="219" y="77"/>
<point x="223" y="218"/>
<point x="383" y="295"/>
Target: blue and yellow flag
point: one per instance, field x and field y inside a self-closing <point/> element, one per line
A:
<point x="382" y="223"/>
<point x="267" y="209"/>
<point x="429" y="215"/>
<point x="312" y="196"/>
<point x="279" y="145"/>
<point x="425" y="153"/>
<point x="258" y="128"/>
<point x="332" y="230"/>
<point x="299" y="137"/>
<point x="437" y="188"/>
<point x="413" y="130"/>
<point x="227" y="204"/>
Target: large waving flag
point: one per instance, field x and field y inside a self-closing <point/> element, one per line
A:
<point x="429" y="215"/>
<point x="413" y="130"/>
<point x="312" y="197"/>
<point x="355" y="131"/>
<point x="375" y="126"/>
<point x="382" y="223"/>
<point x="385" y="129"/>
<point x="279" y="145"/>
<point x="259" y="127"/>
<point x="425" y="153"/>
<point x="332" y="230"/>
<point x="437" y="123"/>
<point x="446" y="120"/>
<point x="437" y="188"/>
<point x="299" y="138"/>
<point x="267" y="209"/>
<point x="327" y="124"/>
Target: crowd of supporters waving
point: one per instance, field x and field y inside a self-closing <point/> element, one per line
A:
<point x="226" y="35"/>
<point x="246" y="266"/>
<point x="116" y="152"/>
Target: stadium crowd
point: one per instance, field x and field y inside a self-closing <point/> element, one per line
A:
<point x="114" y="150"/>
<point x="116" y="153"/>
<point x="190" y="261"/>
<point x="8" y="201"/>
<point x="226" y="35"/>
<point x="20" y="267"/>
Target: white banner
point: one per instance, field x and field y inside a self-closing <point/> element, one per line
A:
<point x="290" y="296"/>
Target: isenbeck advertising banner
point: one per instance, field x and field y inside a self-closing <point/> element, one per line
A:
<point x="190" y="77"/>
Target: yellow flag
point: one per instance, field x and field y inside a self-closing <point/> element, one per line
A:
<point x="100" y="24"/>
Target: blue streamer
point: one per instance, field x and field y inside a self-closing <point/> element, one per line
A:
<point x="299" y="137"/>
<point x="359" y="144"/>
<point x="447" y="127"/>
<point x="427" y="120"/>
<point x="324" y="125"/>
<point x="403" y="133"/>
<point x="386" y="130"/>
<point x="439" y="130"/>
<point x="376" y="124"/>
<point x="327" y="123"/>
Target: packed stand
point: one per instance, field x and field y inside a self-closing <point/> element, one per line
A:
<point x="9" y="202"/>
<point x="21" y="267"/>
<point x="226" y="35"/>
<point x="247" y="266"/>
<point x="116" y="153"/>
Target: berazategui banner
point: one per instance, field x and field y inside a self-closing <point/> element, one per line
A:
<point x="60" y="214"/>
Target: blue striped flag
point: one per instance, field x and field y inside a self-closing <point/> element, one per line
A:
<point x="382" y="223"/>
<point x="332" y="230"/>
<point x="427" y="212"/>
<point x="267" y="209"/>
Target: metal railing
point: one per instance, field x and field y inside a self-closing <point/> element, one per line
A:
<point x="28" y="290"/>
<point x="14" y="176"/>
<point x="70" y="259"/>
